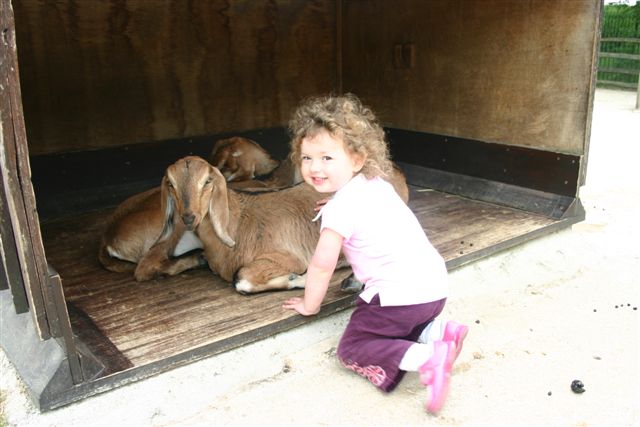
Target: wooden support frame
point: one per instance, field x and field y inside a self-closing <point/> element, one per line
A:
<point x="16" y="179"/>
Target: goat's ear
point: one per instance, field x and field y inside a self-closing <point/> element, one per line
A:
<point x="219" y="208"/>
<point x="168" y="205"/>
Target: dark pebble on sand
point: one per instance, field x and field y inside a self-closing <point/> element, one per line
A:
<point x="477" y="322"/>
<point x="577" y="386"/>
<point x="549" y="394"/>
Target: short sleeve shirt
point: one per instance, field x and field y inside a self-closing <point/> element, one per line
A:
<point x="385" y="244"/>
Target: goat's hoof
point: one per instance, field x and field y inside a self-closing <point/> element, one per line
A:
<point x="202" y="261"/>
<point x="351" y="285"/>
<point x="296" y="281"/>
<point x="244" y="287"/>
<point x="142" y="277"/>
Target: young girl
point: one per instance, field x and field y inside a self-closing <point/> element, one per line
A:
<point x="341" y="149"/>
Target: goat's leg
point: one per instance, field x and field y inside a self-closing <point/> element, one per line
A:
<point x="174" y="266"/>
<point x="268" y="272"/>
<point x="351" y="285"/>
<point x="160" y="264"/>
<point x="158" y="261"/>
<point x="114" y="264"/>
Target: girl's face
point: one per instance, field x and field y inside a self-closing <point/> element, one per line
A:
<point x="326" y="164"/>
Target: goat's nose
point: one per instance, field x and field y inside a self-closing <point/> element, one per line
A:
<point x="188" y="218"/>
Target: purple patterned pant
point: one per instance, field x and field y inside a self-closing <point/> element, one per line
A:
<point x="377" y="338"/>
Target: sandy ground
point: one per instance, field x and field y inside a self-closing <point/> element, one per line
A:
<point x="559" y="308"/>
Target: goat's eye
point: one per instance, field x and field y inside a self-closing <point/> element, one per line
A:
<point x="169" y="184"/>
<point x="208" y="181"/>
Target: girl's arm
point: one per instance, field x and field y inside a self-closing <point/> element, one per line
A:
<point x="319" y="274"/>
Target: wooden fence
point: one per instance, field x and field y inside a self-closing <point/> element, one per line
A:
<point x="611" y="68"/>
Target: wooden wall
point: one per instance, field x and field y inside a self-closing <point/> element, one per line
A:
<point x="509" y="71"/>
<point x="104" y="73"/>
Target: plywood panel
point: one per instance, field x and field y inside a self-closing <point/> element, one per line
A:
<point x="508" y="71"/>
<point x="101" y="73"/>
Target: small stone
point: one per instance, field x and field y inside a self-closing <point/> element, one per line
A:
<point x="577" y="386"/>
<point x="594" y="310"/>
<point x="549" y="394"/>
<point x="477" y="322"/>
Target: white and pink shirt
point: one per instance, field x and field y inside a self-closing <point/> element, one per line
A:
<point x="385" y="244"/>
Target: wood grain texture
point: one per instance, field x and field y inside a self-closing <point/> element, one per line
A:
<point x="507" y="71"/>
<point x="149" y="321"/>
<point x="101" y="73"/>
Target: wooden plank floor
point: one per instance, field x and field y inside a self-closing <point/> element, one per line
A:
<point x="463" y="228"/>
<point x="142" y="323"/>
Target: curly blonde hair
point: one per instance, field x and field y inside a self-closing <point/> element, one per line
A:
<point x="344" y="117"/>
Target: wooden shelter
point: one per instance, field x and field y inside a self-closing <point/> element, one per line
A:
<point x="487" y="105"/>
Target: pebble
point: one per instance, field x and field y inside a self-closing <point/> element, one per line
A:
<point x="577" y="386"/>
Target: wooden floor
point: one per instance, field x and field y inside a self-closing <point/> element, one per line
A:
<point x="129" y="324"/>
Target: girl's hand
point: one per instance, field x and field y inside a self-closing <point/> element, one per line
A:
<point x="297" y="304"/>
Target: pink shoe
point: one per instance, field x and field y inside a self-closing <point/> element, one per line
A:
<point x="456" y="333"/>
<point x="436" y="373"/>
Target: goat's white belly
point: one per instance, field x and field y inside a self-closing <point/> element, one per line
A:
<point x="188" y="242"/>
<point x="115" y="254"/>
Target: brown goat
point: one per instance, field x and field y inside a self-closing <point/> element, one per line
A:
<point x="263" y="241"/>
<point x="138" y="237"/>
<point x="241" y="159"/>
<point x="237" y="158"/>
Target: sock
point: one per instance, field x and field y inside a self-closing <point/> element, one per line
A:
<point x="434" y="331"/>
<point x="416" y="356"/>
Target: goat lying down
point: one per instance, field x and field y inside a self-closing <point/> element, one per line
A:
<point x="262" y="241"/>
<point x="240" y="158"/>
<point x="139" y="240"/>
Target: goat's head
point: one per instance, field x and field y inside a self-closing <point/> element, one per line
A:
<point x="191" y="189"/>
<point x="240" y="159"/>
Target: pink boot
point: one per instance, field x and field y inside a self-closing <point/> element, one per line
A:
<point x="435" y="374"/>
<point x="456" y="333"/>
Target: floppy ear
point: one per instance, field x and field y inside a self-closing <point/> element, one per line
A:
<point x="167" y="205"/>
<point x="219" y="208"/>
